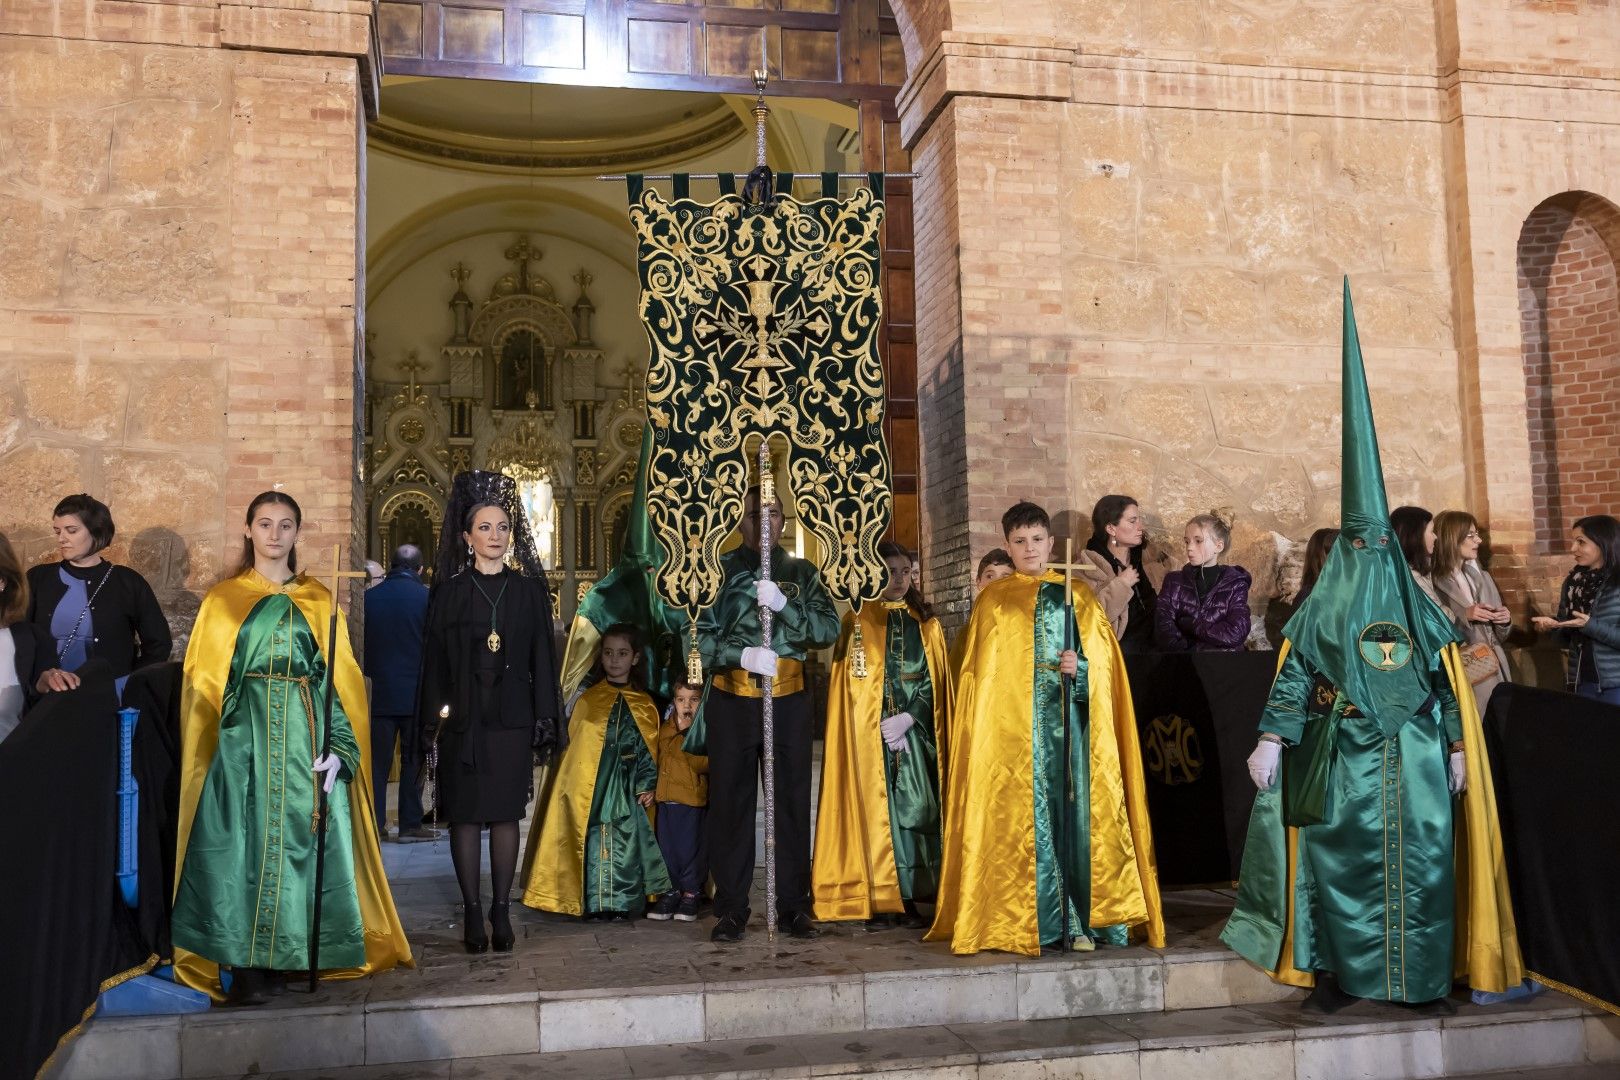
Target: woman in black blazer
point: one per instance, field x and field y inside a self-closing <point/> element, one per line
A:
<point x="27" y="653"/>
<point x="489" y="687"/>
<point x="92" y="608"/>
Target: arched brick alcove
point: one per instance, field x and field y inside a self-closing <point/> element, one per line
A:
<point x="1569" y="309"/>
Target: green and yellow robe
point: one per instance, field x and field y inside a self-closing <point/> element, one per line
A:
<point x="255" y="675"/>
<point x="596" y="851"/>
<point x="1402" y="889"/>
<point x="1005" y="782"/>
<point x="878" y="820"/>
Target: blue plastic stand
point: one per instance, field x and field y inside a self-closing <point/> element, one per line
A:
<point x="129" y="810"/>
<point x="146" y="995"/>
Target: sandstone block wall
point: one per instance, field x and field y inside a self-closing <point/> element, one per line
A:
<point x="1154" y="205"/>
<point x="177" y="292"/>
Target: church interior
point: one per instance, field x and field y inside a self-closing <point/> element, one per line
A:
<point x="502" y="326"/>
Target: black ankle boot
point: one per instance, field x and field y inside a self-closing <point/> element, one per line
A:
<point x="500" y="925"/>
<point x="1325" y="997"/>
<point x="472" y="929"/>
<point x="247" y="988"/>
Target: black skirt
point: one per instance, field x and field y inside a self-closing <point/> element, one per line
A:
<point x="486" y="772"/>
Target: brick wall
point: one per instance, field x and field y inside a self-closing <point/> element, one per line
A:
<point x="178" y="297"/>
<point x="1570" y="316"/>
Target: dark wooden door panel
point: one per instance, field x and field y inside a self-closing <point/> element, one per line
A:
<point x="817" y="48"/>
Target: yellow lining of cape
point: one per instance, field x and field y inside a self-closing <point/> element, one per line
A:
<point x="207" y="666"/>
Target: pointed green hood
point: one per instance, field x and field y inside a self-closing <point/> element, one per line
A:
<point x="1366" y="625"/>
<point x="626" y="593"/>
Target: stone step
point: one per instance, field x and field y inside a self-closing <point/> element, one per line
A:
<point x="1551" y="1038"/>
<point x="740" y="992"/>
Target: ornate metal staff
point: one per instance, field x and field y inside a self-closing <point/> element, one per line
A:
<point x="767" y="499"/>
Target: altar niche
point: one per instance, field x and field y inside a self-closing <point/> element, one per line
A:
<point x="521" y="391"/>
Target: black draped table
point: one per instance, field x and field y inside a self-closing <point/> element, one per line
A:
<point x="1553" y="761"/>
<point x="1197" y="715"/>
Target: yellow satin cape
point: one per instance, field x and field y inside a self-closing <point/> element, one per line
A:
<point x="208" y="664"/>
<point x="579" y="654"/>
<point x="987" y="885"/>
<point x="1487" y="938"/>
<point x="853" y="874"/>
<point x="554" y="865"/>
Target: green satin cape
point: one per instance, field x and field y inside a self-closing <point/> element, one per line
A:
<point x="592" y="847"/>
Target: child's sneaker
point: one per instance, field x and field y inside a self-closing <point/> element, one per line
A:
<point x="665" y="907"/>
<point x="687" y="910"/>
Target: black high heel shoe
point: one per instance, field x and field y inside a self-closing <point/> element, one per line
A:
<point x="500" y="924"/>
<point x="472" y="929"/>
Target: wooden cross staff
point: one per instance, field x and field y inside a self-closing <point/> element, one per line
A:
<point x="1068" y="566"/>
<point x="333" y="581"/>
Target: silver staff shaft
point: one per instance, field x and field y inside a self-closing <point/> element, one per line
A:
<point x="767" y="499"/>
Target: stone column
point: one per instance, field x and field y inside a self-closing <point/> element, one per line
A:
<point x="983" y="124"/>
<point x="179" y="296"/>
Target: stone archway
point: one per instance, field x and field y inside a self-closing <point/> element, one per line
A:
<point x="1569" y="311"/>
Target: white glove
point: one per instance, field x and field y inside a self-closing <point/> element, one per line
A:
<point x="759" y="660"/>
<point x="1459" y="773"/>
<point x="769" y="594"/>
<point x="894" y="729"/>
<point x="329" y="765"/>
<point x="1263" y="764"/>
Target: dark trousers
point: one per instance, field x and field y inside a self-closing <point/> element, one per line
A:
<point x="384" y="730"/>
<point x="736" y="745"/>
<point x="681" y="839"/>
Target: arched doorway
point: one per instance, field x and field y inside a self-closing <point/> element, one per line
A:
<point x="846" y="56"/>
<point x="1569" y="310"/>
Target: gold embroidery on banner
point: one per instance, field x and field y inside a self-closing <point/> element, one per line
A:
<point x="763" y="324"/>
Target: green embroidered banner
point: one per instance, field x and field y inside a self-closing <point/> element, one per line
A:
<point x="763" y="322"/>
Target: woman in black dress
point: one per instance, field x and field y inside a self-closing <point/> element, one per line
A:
<point x="489" y="687"/>
<point x="94" y="609"/>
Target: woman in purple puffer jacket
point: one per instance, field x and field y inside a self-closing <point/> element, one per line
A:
<point x="1204" y="607"/>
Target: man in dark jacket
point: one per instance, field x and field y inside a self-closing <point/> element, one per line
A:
<point x="396" y="612"/>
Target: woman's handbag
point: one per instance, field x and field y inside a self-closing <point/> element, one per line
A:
<point x="1479" y="663"/>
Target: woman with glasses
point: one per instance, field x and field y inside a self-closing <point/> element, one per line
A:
<point x="1468" y="594"/>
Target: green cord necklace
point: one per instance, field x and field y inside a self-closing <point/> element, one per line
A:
<point x="494" y="639"/>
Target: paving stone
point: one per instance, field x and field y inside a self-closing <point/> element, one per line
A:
<point x="1200" y="1027"/>
<point x="1022" y="1040"/>
<point x="1090" y="989"/>
<point x="588" y="1023"/>
<point x="942" y="997"/>
<point x="117" y="1049"/>
<point x="232" y="1042"/>
<point x="778" y="1009"/>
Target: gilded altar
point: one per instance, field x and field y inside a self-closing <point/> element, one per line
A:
<point x="520" y="390"/>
